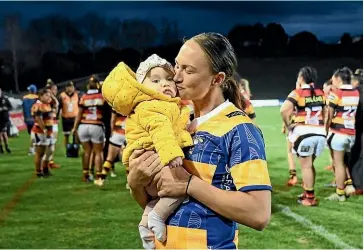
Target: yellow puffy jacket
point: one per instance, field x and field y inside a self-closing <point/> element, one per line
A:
<point x="154" y="121"/>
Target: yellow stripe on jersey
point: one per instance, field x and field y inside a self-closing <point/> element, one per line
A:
<point x="251" y="175"/>
<point x="184" y="238"/>
<point x="201" y="170"/>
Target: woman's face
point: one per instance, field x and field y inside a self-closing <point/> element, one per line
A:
<point x="193" y="73"/>
<point x="46" y="98"/>
<point x="335" y="81"/>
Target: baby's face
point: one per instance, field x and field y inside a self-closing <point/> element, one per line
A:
<point x="161" y="80"/>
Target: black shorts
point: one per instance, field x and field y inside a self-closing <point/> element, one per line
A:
<point x="29" y="127"/>
<point x="4" y="126"/>
<point x="67" y="125"/>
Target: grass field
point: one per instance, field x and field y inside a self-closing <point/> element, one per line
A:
<point x="63" y="212"/>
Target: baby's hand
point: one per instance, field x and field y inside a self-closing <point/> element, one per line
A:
<point x="176" y="162"/>
<point x="192" y="126"/>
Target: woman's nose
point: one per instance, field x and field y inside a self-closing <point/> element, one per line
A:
<point x="177" y="77"/>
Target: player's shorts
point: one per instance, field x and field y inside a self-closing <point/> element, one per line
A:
<point x="117" y="139"/>
<point x="340" y="142"/>
<point x="4" y="126"/>
<point x="67" y="124"/>
<point x="41" y="139"/>
<point x="91" y="133"/>
<point x="55" y="128"/>
<point x="308" y="140"/>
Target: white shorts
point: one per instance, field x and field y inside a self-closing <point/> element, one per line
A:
<point x="41" y="139"/>
<point x="55" y="128"/>
<point x="118" y="139"/>
<point x="308" y="140"/>
<point x="91" y="133"/>
<point x="340" y="142"/>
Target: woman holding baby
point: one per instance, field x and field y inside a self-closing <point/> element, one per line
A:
<point x="224" y="174"/>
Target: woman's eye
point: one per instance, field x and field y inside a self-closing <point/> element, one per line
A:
<point x="187" y="71"/>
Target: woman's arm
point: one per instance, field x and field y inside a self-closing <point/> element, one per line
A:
<point x="252" y="208"/>
<point x="77" y="120"/>
<point x="143" y="166"/>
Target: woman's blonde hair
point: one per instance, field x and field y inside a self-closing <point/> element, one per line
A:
<point x="221" y="57"/>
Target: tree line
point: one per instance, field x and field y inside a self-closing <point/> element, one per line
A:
<point x="61" y="48"/>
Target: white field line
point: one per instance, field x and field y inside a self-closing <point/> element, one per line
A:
<point x="318" y="229"/>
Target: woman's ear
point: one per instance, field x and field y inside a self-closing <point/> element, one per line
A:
<point x="218" y="79"/>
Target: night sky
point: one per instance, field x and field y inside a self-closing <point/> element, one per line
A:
<point x="328" y="20"/>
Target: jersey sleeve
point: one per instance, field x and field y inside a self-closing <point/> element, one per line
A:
<point x="333" y="99"/>
<point x="36" y="110"/>
<point x="247" y="159"/>
<point x="293" y="97"/>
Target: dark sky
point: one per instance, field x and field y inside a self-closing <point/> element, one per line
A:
<point x="328" y="20"/>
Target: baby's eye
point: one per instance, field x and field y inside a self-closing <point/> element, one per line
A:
<point x="155" y="81"/>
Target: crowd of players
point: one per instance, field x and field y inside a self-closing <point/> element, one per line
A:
<point x="332" y="117"/>
<point x="312" y="118"/>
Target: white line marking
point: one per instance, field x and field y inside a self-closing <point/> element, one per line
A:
<point x="320" y="230"/>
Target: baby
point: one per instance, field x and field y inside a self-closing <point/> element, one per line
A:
<point x="156" y="120"/>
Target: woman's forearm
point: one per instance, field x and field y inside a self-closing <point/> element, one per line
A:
<point x="141" y="196"/>
<point x="252" y="209"/>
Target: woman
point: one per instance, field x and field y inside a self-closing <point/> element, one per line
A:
<point x="53" y="89"/>
<point x="42" y="131"/>
<point x="90" y="128"/>
<point x="308" y="132"/>
<point x="116" y="146"/>
<point x="227" y="180"/>
<point x="340" y="127"/>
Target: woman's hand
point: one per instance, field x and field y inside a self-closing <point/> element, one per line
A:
<point x="143" y="166"/>
<point x="173" y="182"/>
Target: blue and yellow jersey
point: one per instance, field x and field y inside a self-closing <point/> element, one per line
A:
<point x="228" y="153"/>
<point x="28" y="101"/>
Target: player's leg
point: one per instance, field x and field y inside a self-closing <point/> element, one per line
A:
<point x="337" y="146"/>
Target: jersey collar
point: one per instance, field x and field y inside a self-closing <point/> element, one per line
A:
<point x="213" y="112"/>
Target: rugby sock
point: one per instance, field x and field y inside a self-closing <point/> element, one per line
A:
<point x="106" y="168"/>
<point x="292" y="173"/>
<point x="98" y="174"/>
<point x="340" y="191"/>
<point x="86" y="174"/>
<point x="348" y="182"/>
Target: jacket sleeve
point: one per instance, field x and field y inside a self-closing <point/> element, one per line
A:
<point x="156" y="119"/>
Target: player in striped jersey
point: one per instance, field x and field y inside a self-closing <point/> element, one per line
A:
<point x="340" y="126"/>
<point x="90" y="127"/>
<point x="116" y="146"/>
<point x="308" y="132"/>
<point x="41" y="133"/>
